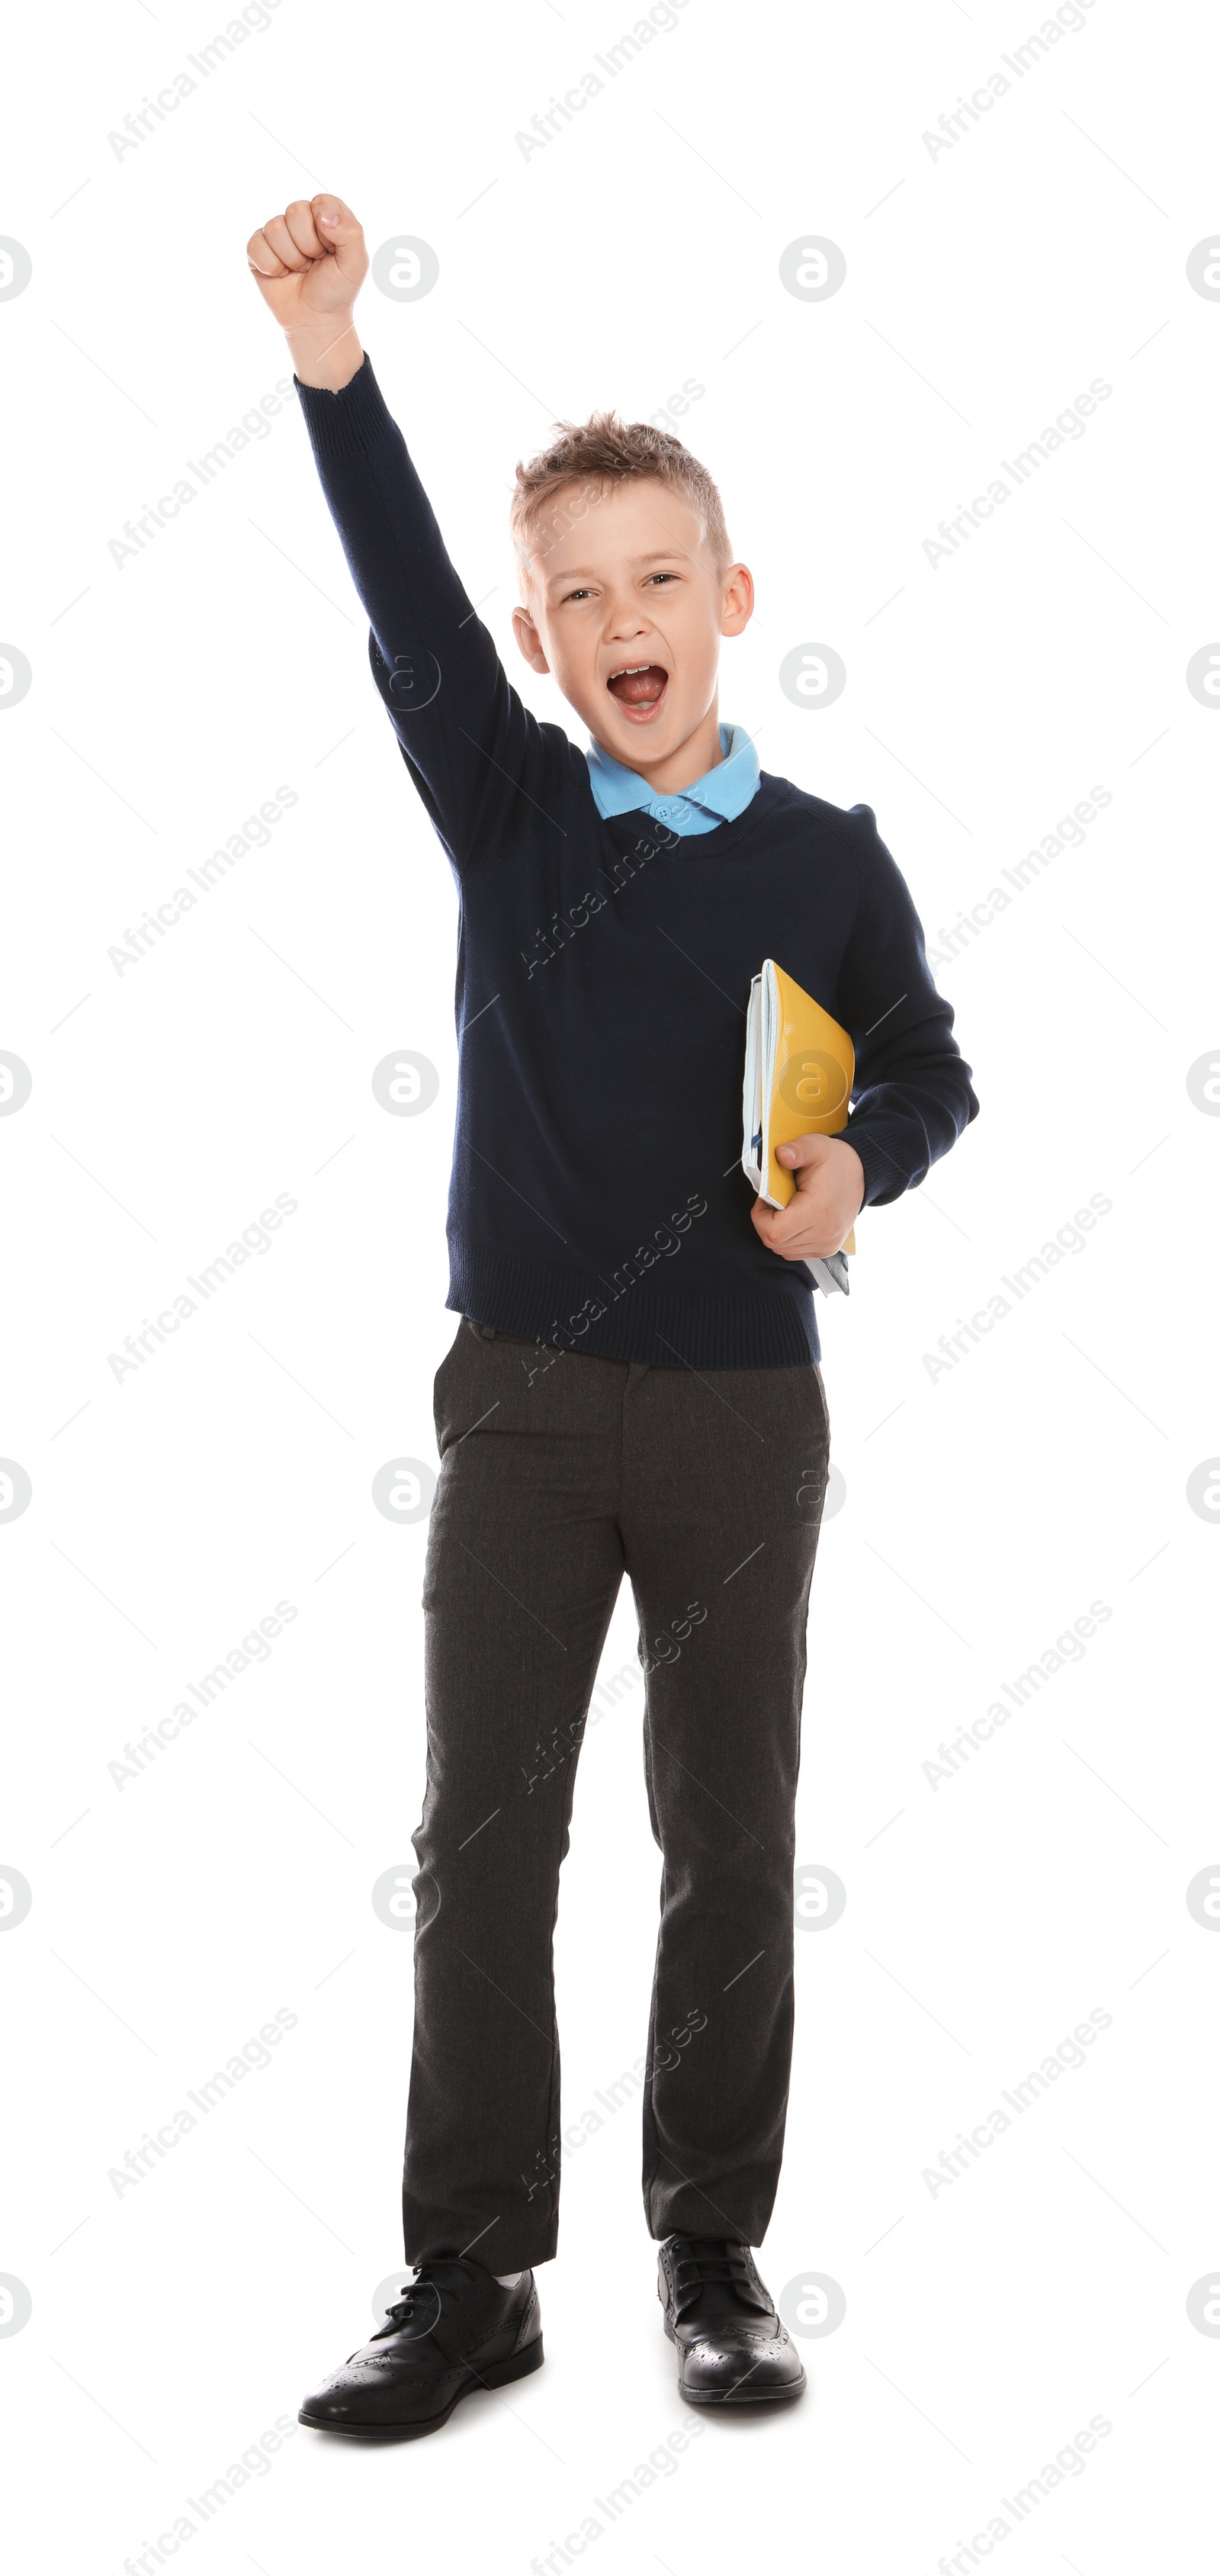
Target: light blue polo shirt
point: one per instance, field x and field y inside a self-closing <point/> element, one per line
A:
<point x="717" y="797"/>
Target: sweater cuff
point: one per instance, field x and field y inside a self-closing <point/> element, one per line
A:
<point x="348" y="423"/>
<point x="883" y="1177"/>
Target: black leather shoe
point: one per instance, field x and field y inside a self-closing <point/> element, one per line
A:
<point x="732" y="2349"/>
<point x="454" y="2329"/>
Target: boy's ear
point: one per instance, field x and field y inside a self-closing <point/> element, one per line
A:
<point x="738" y="600"/>
<point x="529" y="640"/>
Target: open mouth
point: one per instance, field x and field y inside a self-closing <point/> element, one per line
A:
<point x="639" y="689"/>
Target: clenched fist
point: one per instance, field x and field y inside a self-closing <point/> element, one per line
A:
<point x="310" y="263"/>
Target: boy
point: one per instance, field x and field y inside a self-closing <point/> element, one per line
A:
<point x="634" y="1385"/>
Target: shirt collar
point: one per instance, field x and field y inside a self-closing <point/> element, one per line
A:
<point x="717" y="797"/>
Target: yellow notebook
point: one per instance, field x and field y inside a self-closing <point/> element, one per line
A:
<point x="800" y="1066"/>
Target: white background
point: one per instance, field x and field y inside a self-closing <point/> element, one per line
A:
<point x="985" y="1509"/>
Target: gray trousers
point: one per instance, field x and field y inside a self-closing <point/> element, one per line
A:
<point x="559" y="1474"/>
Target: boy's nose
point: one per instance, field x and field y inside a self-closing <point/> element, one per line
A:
<point x="626" y="622"/>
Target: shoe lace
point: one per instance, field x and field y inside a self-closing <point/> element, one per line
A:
<point x="421" y="2298"/>
<point x="701" y="2261"/>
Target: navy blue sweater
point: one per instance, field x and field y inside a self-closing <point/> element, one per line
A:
<point x="597" y="1199"/>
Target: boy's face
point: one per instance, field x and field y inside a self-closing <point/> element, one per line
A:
<point x="625" y="606"/>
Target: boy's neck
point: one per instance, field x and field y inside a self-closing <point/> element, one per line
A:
<point x="700" y="752"/>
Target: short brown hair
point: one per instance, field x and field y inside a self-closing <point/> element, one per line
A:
<point x="602" y="451"/>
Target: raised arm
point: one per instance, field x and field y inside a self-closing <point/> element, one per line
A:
<point x="471" y="745"/>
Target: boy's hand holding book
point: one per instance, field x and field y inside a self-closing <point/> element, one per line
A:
<point x="827" y="1200"/>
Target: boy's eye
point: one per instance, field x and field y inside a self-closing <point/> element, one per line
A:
<point x="662" y="576"/>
